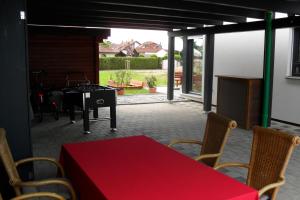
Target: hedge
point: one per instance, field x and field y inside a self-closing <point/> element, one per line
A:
<point x="113" y="63"/>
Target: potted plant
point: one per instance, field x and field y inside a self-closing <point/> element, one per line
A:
<point x="151" y="82"/>
<point x="122" y="79"/>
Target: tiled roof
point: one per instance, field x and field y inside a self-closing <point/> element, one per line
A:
<point x="116" y="48"/>
<point x="113" y="48"/>
<point x="146" y="47"/>
<point x="149" y="47"/>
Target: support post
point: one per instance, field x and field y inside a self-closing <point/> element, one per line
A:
<point x="272" y="72"/>
<point x="268" y="70"/>
<point x="188" y="52"/>
<point x="171" y="45"/>
<point x="190" y="59"/>
<point x="208" y="71"/>
<point x="184" y="84"/>
<point x="14" y="86"/>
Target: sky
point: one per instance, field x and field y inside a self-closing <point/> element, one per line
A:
<point x="160" y="37"/>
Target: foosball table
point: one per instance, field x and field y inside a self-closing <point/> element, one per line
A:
<point x="91" y="97"/>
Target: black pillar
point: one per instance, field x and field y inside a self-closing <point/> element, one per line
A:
<point x="170" y="94"/>
<point x="208" y="71"/>
<point x="190" y="59"/>
<point x="14" y="106"/>
<point x="188" y="45"/>
<point x="185" y="65"/>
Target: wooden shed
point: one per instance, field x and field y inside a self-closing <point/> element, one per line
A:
<point x="59" y="51"/>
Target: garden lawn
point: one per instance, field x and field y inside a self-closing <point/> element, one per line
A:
<point x="131" y="91"/>
<point x="139" y="75"/>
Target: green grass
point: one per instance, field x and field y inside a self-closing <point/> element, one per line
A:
<point x="140" y="75"/>
<point x="136" y="91"/>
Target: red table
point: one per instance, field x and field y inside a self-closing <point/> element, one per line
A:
<point x="139" y="168"/>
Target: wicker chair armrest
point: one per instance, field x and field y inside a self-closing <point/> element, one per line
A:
<point x="39" y="194"/>
<point x="51" y="160"/>
<point x="271" y="186"/>
<point x="184" y="142"/>
<point x="204" y="156"/>
<point x="232" y="164"/>
<point x="40" y="183"/>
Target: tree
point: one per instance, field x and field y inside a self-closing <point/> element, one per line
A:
<point x="106" y="44"/>
<point x="198" y="47"/>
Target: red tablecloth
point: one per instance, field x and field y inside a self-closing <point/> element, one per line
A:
<point x="139" y="168"/>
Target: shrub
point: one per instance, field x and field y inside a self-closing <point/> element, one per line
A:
<point x="115" y="63"/>
<point x="177" y="57"/>
<point x="151" y="81"/>
<point x="122" y="77"/>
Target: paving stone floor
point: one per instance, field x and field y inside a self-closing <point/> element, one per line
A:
<point x="161" y="121"/>
<point x="146" y="99"/>
<point x="159" y="97"/>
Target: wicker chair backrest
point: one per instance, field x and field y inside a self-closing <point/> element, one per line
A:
<point x="215" y="137"/>
<point x="271" y="152"/>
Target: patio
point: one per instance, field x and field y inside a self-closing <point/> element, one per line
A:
<point x="162" y="122"/>
<point x="63" y="36"/>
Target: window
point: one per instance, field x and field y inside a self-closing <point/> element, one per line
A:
<point x="197" y="65"/>
<point x="296" y="53"/>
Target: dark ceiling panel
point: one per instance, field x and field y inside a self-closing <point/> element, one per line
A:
<point x="129" y="17"/>
<point x="285" y="6"/>
<point x="174" y="14"/>
<point x="97" y="25"/>
<point x="251" y="26"/>
<point x="70" y="30"/>
<point x="107" y="23"/>
<point x="157" y="13"/>
<point x="293" y="21"/>
<point x="142" y="11"/>
<point x="180" y="5"/>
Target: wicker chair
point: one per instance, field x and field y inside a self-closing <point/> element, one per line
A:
<point x="12" y="172"/>
<point x="216" y="134"/>
<point x="36" y="195"/>
<point x="271" y="152"/>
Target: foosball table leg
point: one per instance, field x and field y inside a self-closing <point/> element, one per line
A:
<point x="86" y="123"/>
<point x="95" y="112"/>
<point x="113" y="118"/>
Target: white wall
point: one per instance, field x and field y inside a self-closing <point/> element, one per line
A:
<point x="238" y="54"/>
<point x="286" y="92"/>
<point x="242" y="54"/>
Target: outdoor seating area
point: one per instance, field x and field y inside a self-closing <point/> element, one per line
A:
<point x="234" y="147"/>
<point x="149" y="100"/>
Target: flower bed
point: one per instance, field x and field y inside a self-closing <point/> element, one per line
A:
<point x="135" y="84"/>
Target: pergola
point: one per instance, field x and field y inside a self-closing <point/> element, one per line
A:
<point x="177" y="16"/>
<point x="206" y="18"/>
